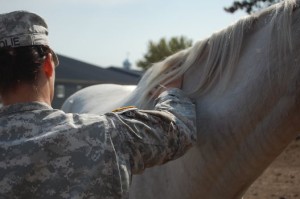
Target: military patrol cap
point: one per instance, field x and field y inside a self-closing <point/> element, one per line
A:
<point x="22" y="28"/>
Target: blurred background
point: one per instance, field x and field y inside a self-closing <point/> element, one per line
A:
<point x="107" y="32"/>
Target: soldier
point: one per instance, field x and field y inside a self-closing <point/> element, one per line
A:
<point x="46" y="153"/>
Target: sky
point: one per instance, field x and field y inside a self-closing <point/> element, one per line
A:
<point x="106" y="32"/>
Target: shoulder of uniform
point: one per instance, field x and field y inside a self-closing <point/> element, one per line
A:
<point x="125" y="108"/>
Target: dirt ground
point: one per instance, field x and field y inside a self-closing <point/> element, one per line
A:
<point x="282" y="179"/>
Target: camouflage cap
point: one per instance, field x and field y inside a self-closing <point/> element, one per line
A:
<point x="22" y="28"/>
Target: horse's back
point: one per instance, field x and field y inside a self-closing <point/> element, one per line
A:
<point x="97" y="99"/>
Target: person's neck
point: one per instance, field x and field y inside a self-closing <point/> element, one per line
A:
<point x="26" y="93"/>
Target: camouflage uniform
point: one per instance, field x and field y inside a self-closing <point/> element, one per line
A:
<point x="46" y="153"/>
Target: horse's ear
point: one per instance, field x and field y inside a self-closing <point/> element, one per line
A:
<point x="48" y="66"/>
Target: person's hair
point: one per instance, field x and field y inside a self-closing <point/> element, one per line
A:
<point x="20" y="65"/>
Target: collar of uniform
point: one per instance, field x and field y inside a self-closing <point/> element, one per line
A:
<point x="21" y="107"/>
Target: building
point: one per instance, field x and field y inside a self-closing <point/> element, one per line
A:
<point x="73" y="75"/>
<point x="126" y="64"/>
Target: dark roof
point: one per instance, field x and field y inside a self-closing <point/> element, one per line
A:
<point x="74" y="70"/>
<point x="137" y="73"/>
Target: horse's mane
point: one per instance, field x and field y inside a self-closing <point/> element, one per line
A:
<point x="221" y="51"/>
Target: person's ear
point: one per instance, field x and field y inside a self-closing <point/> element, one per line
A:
<point x="48" y="66"/>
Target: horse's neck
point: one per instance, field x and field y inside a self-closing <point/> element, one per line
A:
<point x="244" y="124"/>
<point x="240" y="132"/>
<point x="244" y="121"/>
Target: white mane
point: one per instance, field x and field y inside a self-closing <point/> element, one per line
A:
<point x="221" y="52"/>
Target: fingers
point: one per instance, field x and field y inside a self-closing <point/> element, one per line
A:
<point x="177" y="83"/>
<point x="157" y="90"/>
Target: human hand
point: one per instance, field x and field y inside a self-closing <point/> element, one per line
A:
<point x="177" y="83"/>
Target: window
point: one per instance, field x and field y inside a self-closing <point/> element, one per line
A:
<point x="78" y="87"/>
<point x="60" y="91"/>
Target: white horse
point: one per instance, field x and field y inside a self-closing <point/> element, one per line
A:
<point x="245" y="81"/>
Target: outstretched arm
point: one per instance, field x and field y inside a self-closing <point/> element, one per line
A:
<point x="144" y="138"/>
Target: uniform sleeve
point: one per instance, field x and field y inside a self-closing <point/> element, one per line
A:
<point x="145" y="138"/>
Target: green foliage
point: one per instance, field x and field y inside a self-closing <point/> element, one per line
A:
<point x="250" y="6"/>
<point x="157" y="51"/>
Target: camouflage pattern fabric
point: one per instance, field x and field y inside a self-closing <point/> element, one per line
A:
<point x="22" y="28"/>
<point x="46" y="153"/>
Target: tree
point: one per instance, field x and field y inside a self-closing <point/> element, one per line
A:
<point x="250" y="6"/>
<point x="162" y="49"/>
